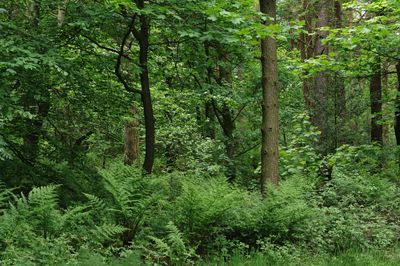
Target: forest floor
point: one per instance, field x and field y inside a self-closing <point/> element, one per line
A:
<point x="349" y="258"/>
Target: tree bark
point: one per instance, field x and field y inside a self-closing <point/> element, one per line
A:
<point x="307" y="52"/>
<point x="397" y="112"/>
<point x="376" y="105"/>
<point x="142" y="36"/>
<point x="224" y="115"/>
<point x="131" y="140"/>
<point x="209" y="111"/>
<point x="270" y="107"/>
<point x="320" y="114"/>
<point x="61" y="13"/>
<point x="210" y="123"/>
<point x="149" y="121"/>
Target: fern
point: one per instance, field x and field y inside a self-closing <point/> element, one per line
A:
<point x="4" y="154"/>
<point x="44" y="197"/>
<point x="133" y="196"/>
<point x="95" y="202"/>
<point x="5" y="196"/>
<point x="107" y="231"/>
<point x="172" y="247"/>
<point x="175" y="238"/>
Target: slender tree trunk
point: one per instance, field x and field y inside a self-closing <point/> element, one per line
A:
<point x="270" y="109"/>
<point x="210" y="123"/>
<point x="149" y="121"/>
<point x="376" y="106"/>
<point x="209" y="111"/>
<point x="142" y="36"/>
<point x="397" y="112"/>
<point x="225" y="116"/>
<point x="228" y="127"/>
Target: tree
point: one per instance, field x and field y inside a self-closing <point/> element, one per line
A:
<point x="270" y="108"/>
<point x="324" y="90"/>
<point x="397" y="107"/>
<point x="142" y="37"/>
<point x="376" y="105"/>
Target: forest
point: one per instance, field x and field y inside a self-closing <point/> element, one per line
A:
<point x="193" y="132"/>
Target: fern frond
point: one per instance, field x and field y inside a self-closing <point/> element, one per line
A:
<point x="108" y="231"/>
<point x="44" y="196"/>
<point x="5" y="195"/>
<point x="75" y="214"/>
<point x="161" y="246"/>
<point x="95" y="202"/>
<point x="175" y="238"/>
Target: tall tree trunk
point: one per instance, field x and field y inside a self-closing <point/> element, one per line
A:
<point x="225" y="117"/>
<point x="209" y="111"/>
<point x="339" y="87"/>
<point x="270" y="109"/>
<point x="376" y="105"/>
<point x="149" y="121"/>
<point x="397" y="112"/>
<point x="142" y="36"/>
<point x="228" y="127"/>
<point x="321" y="113"/>
<point x="307" y="51"/>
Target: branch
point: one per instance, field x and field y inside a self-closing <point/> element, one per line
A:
<point x="239" y="112"/>
<point x="119" y="59"/>
<point x="212" y="101"/>
<point x="16" y="152"/>
<point x="81" y="139"/>
<point x="105" y="47"/>
<point x="247" y="150"/>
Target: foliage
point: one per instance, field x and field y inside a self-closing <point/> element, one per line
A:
<point x="67" y="199"/>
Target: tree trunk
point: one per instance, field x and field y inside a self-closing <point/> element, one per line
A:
<point x="149" y="121"/>
<point x="397" y="112"/>
<point x="339" y="88"/>
<point x="61" y="13"/>
<point x="210" y="123"/>
<point x="209" y="111"/>
<point x="131" y="140"/>
<point x="228" y="127"/>
<point x="376" y="106"/>
<point x="270" y="109"/>
<point x="225" y="117"/>
<point x="307" y="52"/>
<point x="142" y="37"/>
<point x="321" y="113"/>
